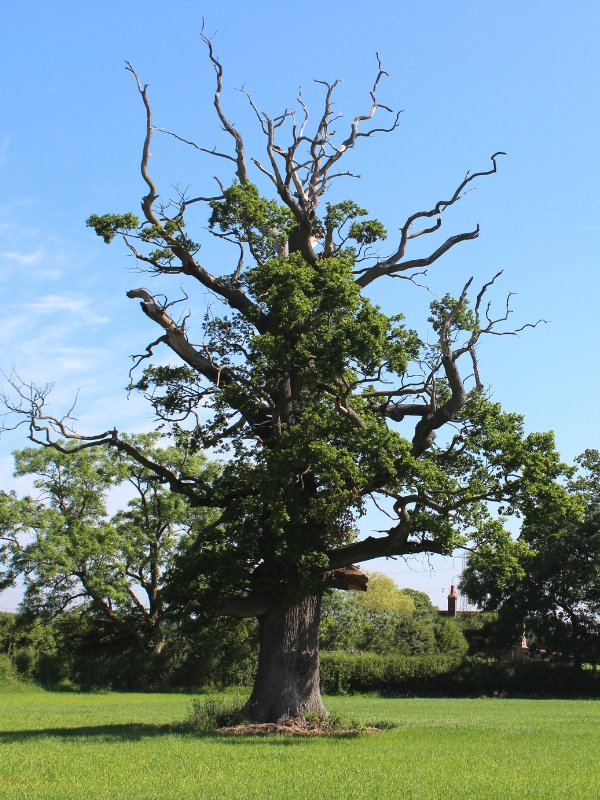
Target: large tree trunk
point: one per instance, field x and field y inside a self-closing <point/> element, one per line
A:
<point x="287" y="680"/>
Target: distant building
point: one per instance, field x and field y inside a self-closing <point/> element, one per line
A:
<point x="452" y="600"/>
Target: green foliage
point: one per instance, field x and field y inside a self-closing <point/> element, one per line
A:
<point x="339" y="213"/>
<point x="384" y="595"/>
<point x="250" y="218"/>
<point x="548" y="580"/>
<point x="8" y="673"/>
<point x="80" y="649"/>
<point x="367" y="232"/>
<point x="386" y="620"/>
<point x="73" y="555"/>
<point x="109" y="225"/>
<point x="30" y="647"/>
<point x="586" y="483"/>
<point x="464" y="318"/>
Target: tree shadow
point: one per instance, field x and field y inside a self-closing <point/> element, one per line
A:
<point x="135" y="732"/>
<point x="132" y="732"/>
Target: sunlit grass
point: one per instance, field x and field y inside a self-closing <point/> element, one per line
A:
<point x="120" y="746"/>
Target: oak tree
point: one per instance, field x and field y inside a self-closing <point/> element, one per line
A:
<point x="322" y="403"/>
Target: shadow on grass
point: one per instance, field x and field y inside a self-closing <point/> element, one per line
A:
<point x="132" y="732"/>
<point x="135" y="732"/>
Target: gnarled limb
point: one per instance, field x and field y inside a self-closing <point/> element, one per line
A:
<point x="432" y="416"/>
<point x="379" y="270"/>
<point x="178" y="342"/>
<point x="149" y="200"/>
<point x="379" y="547"/>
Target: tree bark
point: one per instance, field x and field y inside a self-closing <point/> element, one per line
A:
<point x="287" y="679"/>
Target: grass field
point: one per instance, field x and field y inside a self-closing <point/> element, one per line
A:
<point x="96" y="747"/>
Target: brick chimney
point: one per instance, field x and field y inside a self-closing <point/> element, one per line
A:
<point x="452" y="598"/>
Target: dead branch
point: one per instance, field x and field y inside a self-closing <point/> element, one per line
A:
<point x="240" y="158"/>
<point x="211" y="152"/>
<point x="394" y="263"/>
<point x="301" y="183"/>
<point x="177" y="340"/>
<point x="151" y="197"/>
<point x="143" y="356"/>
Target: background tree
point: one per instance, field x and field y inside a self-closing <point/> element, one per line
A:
<point x="311" y="389"/>
<point x="547" y="581"/>
<point x="73" y="555"/>
<point x="386" y="620"/>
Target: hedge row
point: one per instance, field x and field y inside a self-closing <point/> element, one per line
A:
<point x="369" y="672"/>
<point x="446" y="676"/>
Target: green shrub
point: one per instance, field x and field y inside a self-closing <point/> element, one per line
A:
<point x="210" y="713"/>
<point x="89" y="652"/>
<point x="529" y="678"/>
<point x="8" y="673"/>
<point x="388" y="621"/>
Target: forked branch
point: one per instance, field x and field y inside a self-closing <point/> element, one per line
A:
<point x="394" y="263"/>
<point x="433" y="416"/>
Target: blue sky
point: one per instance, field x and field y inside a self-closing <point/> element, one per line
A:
<point x="471" y="77"/>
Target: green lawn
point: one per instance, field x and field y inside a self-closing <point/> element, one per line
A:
<point x="95" y="747"/>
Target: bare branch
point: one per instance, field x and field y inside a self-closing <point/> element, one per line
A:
<point x="240" y="159"/>
<point x="149" y="353"/>
<point x="371" y="273"/>
<point x="149" y="199"/>
<point x="213" y="152"/>
<point x="44" y="429"/>
<point x="300" y="184"/>
<point x="392" y="264"/>
<point x="177" y="340"/>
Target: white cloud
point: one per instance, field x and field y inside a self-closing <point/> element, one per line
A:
<point x="57" y="302"/>
<point x="21" y="258"/>
<point x="76" y="305"/>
